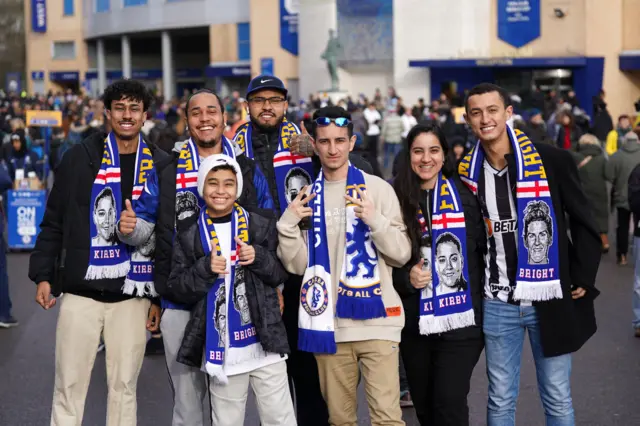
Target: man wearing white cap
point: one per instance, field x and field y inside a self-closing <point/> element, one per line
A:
<point x="225" y="265"/>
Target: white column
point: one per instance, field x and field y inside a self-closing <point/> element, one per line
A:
<point x="102" y="72"/>
<point x="167" y="66"/>
<point x="126" y="57"/>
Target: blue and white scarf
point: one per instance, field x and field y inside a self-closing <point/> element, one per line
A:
<point x="188" y="201"/>
<point x="292" y="171"/>
<point x="445" y="304"/>
<point x="538" y="274"/>
<point x="110" y="258"/>
<point x="227" y="309"/>
<point x="359" y="294"/>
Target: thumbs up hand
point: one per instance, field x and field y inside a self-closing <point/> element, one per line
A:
<point x="302" y="144"/>
<point x="127" y="219"/>
<point x="245" y="252"/>
<point x="419" y="279"/>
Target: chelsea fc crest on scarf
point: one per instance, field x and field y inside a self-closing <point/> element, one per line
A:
<point x="314" y="296"/>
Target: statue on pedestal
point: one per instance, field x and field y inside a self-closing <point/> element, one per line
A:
<point x="330" y="54"/>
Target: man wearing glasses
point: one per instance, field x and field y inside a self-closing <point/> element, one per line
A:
<point x="282" y="149"/>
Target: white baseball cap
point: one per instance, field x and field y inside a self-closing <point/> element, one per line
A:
<point x="214" y="161"/>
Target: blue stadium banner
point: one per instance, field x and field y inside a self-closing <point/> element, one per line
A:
<point x="289" y="25"/>
<point x="39" y="16"/>
<point x="14" y="82"/>
<point x="266" y="66"/>
<point x="518" y="21"/>
<point x="24" y="214"/>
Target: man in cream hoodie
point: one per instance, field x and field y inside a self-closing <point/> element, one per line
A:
<point x="350" y="315"/>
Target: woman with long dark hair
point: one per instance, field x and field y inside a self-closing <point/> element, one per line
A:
<point x="441" y="286"/>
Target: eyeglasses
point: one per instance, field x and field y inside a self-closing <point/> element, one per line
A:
<point x="275" y="101"/>
<point x="325" y="121"/>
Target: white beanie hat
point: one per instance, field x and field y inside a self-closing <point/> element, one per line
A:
<point x="216" y="161"/>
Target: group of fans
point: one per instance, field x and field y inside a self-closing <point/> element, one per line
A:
<point x="276" y="256"/>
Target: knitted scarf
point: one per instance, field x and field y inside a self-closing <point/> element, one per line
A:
<point x="292" y="171"/>
<point x="446" y="304"/>
<point x="538" y="274"/>
<point x="110" y="258"/>
<point x="231" y="337"/>
<point x="359" y="294"/>
<point x="188" y="202"/>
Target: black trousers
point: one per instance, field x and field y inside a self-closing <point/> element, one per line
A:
<point x="302" y="369"/>
<point x="372" y="154"/>
<point x="622" y="232"/>
<point x="439" y="373"/>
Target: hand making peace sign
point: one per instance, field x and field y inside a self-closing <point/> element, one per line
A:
<point x="299" y="206"/>
<point x="364" y="209"/>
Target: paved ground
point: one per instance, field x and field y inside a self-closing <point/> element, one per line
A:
<point x="606" y="372"/>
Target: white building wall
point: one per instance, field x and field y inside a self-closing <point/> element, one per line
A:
<point x="436" y="29"/>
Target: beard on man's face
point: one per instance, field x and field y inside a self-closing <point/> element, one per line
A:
<point x="265" y="127"/>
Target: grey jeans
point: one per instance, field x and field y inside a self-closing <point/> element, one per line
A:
<point x="191" y="405"/>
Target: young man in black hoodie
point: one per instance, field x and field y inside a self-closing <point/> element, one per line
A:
<point x="77" y="253"/>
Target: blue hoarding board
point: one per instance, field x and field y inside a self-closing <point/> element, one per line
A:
<point x="228" y="71"/>
<point x="64" y="75"/>
<point x="518" y="21"/>
<point x="266" y="66"/>
<point x="289" y="26"/>
<point x="39" y="16"/>
<point x="24" y="215"/>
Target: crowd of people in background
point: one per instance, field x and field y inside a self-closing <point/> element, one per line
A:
<point x="389" y="135"/>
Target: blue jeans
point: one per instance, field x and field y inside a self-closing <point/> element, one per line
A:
<point x="504" y="327"/>
<point x="635" y="298"/>
<point x="390" y="152"/>
<point x="5" y="301"/>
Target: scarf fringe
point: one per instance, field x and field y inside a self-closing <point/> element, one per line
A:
<point x="360" y="308"/>
<point x="217" y="372"/>
<point x="538" y="291"/>
<point x="239" y="355"/>
<point x="455" y="321"/>
<point x="427" y="325"/>
<point x="97" y="272"/>
<point x="315" y="341"/>
<point x="140" y="289"/>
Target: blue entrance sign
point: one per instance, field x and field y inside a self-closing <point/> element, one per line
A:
<point x="266" y="66"/>
<point x="518" y="21"/>
<point x="24" y="215"/>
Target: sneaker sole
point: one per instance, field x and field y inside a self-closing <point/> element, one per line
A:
<point x="8" y="325"/>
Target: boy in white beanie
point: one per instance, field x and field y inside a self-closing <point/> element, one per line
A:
<point x="224" y="262"/>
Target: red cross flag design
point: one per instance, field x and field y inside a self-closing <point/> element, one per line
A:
<point x="534" y="189"/>
<point x="187" y="180"/>
<point x="447" y="220"/>
<point x="283" y="158"/>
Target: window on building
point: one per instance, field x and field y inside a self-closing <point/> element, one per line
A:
<point x="102" y="5"/>
<point x="68" y="8"/>
<point x="134" y="2"/>
<point x="64" y="50"/>
<point x="244" y="41"/>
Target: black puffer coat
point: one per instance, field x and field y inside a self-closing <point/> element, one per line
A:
<point x="191" y="278"/>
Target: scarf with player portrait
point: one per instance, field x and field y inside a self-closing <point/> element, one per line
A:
<point x="359" y="293"/>
<point x="188" y="202"/>
<point x="446" y="303"/>
<point x="108" y="257"/>
<point x="292" y="171"/>
<point x="231" y="336"/>
<point x="538" y="273"/>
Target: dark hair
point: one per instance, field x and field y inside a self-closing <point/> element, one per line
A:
<point x="200" y="91"/>
<point x="223" y="167"/>
<point x="127" y="89"/>
<point x="296" y="172"/>
<point x="623" y="116"/>
<point x="106" y="192"/>
<point x="483" y="88"/>
<point x="407" y="183"/>
<point x="537" y="211"/>
<point x="331" y="112"/>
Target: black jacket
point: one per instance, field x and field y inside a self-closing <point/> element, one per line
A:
<point x="567" y="324"/>
<point x="476" y="248"/>
<point x="64" y="237"/>
<point x="166" y="222"/>
<point x="265" y="146"/>
<point x="633" y="192"/>
<point x="191" y="278"/>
